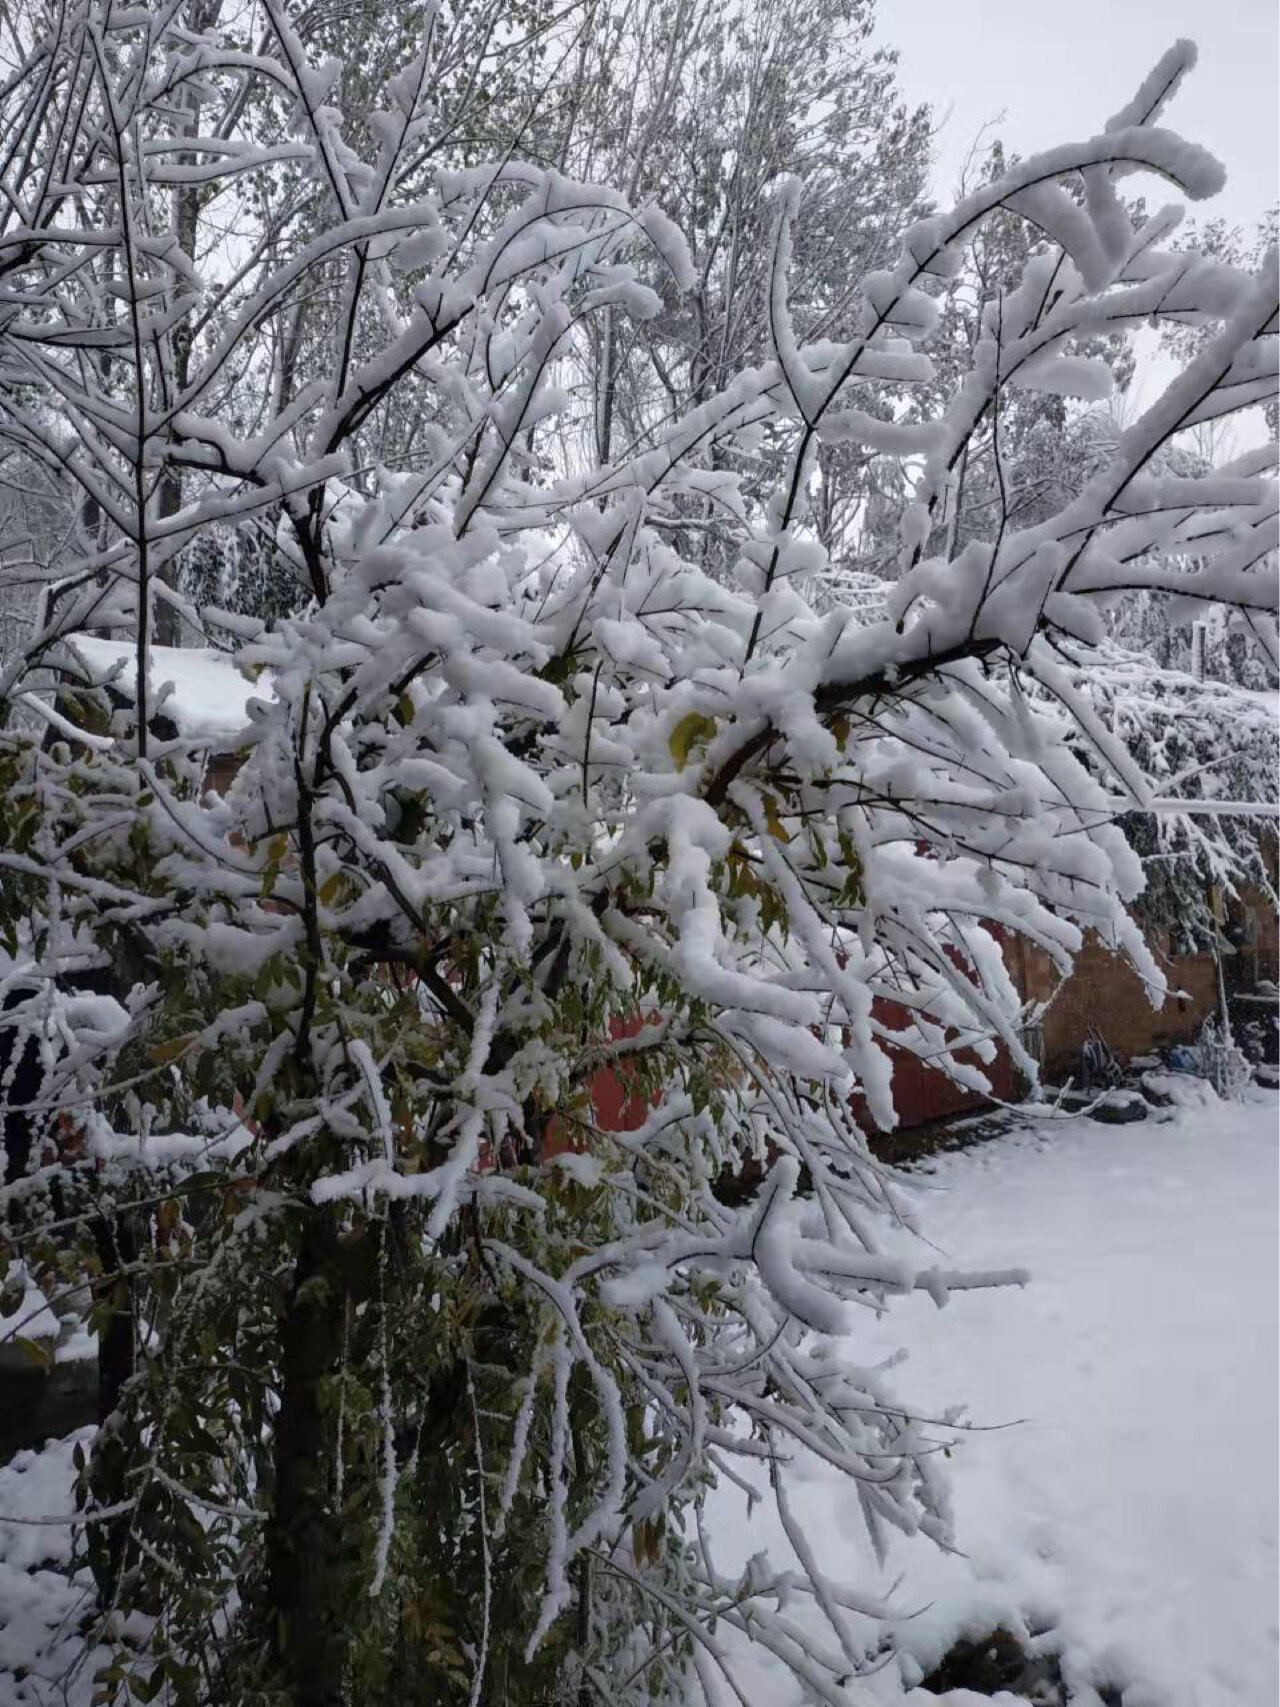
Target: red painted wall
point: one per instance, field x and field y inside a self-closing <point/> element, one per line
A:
<point x="922" y="1093"/>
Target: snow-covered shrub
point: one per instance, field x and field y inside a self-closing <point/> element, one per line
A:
<point x="398" y="1400"/>
<point x="1224" y="1064"/>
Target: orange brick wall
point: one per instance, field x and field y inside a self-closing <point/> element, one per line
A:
<point x="1106" y="993"/>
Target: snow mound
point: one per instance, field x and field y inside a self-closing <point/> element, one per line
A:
<point x="1180" y="1090"/>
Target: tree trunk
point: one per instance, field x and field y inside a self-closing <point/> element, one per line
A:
<point x="112" y="1547"/>
<point x="309" y="1584"/>
<point x="115" y="1245"/>
<point x="203" y="14"/>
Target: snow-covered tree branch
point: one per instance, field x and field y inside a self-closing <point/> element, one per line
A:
<point x="407" y="1347"/>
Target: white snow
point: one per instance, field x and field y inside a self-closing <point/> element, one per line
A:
<point x="210" y="697"/>
<point x="40" y="1606"/>
<point x="1133" y="1509"/>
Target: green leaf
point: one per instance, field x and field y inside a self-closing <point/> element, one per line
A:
<point x="277" y="849"/>
<point x="36" y="1350"/>
<point x="163" y="1053"/>
<point x="147" y="1688"/>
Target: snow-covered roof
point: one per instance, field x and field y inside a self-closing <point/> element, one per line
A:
<point x="209" y="697"/>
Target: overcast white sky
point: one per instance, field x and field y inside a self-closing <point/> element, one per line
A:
<point x="1059" y="70"/>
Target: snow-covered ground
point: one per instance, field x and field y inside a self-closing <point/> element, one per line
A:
<point x="1131" y="1513"/>
<point x="1133" y="1510"/>
<point x="42" y="1658"/>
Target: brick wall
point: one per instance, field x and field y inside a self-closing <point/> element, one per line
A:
<point x="1105" y="993"/>
<point x="220" y="771"/>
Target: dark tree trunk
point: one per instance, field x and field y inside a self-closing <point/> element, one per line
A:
<point x="115" y="1246"/>
<point x="111" y="1549"/>
<point x="311" y="1625"/>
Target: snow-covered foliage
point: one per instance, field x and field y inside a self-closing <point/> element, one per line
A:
<point x="525" y="792"/>
<point x="1211" y="743"/>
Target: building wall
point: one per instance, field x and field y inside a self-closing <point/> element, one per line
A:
<point x="221" y="771"/>
<point x="1104" y="991"/>
<point x="921" y="1093"/>
<point x="1105" y="994"/>
<point x="1252" y="930"/>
